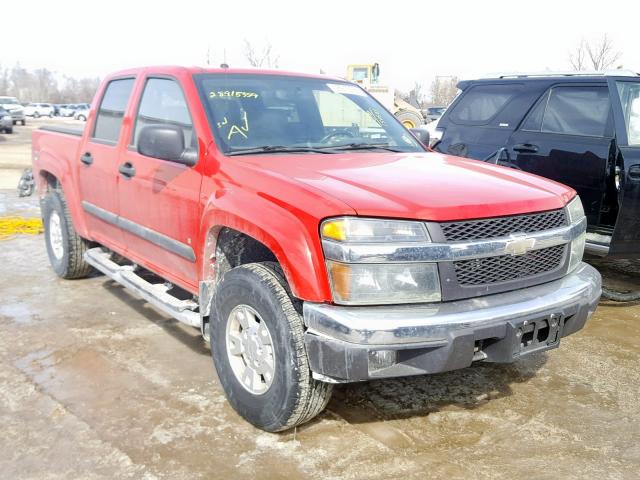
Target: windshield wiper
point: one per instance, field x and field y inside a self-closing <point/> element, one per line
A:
<point x="276" y="149"/>
<point x="363" y="146"/>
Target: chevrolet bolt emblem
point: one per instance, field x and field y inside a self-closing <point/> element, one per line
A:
<point x="519" y="245"/>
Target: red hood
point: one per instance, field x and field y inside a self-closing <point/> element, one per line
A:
<point x="427" y="186"/>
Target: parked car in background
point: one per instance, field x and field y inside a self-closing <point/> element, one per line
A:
<point x="37" y="110"/>
<point x="309" y="246"/>
<point x="432" y="113"/>
<point x="57" y="107"/>
<point x="15" y="108"/>
<point x="68" y="110"/>
<point x="82" y="112"/>
<point x="580" y="129"/>
<point x="6" y="121"/>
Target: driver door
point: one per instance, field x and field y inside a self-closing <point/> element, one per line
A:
<point x="159" y="199"/>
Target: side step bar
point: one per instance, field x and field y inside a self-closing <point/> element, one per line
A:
<point x="154" y="293"/>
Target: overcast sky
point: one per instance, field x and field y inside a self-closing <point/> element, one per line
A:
<point x="411" y="40"/>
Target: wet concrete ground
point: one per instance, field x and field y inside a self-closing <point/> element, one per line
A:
<point x="94" y="383"/>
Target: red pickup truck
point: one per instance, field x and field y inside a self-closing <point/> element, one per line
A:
<point x="307" y="234"/>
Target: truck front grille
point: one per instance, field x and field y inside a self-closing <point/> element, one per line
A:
<point x="505" y="268"/>
<point x="502" y="226"/>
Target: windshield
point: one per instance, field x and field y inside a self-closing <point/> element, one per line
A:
<point x="8" y="101"/>
<point x="250" y="112"/>
<point x="630" y="98"/>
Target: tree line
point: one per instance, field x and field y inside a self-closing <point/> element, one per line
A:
<point x="42" y="85"/>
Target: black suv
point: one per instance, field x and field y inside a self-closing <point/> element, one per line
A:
<point x="579" y="129"/>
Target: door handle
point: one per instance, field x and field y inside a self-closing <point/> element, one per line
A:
<point x="87" y="159"/>
<point x="634" y="172"/>
<point x="525" y="148"/>
<point x="127" y="170"/>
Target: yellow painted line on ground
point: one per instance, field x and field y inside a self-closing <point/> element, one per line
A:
<point x="12" y="226"/>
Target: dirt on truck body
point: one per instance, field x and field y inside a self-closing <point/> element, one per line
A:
<point x="309" y="252"/>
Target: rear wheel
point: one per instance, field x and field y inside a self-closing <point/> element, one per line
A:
<point x="22" y="122"/>
<point x="64" y="246"/>
<point x="409" y="119"/>
<point x="257" y="340"/>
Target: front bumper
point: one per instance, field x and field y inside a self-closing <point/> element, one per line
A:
<point x="348" y="344"/>
<point x="17" y="115"/>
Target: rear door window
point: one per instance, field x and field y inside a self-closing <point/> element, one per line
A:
<point x="582" y="111"/>
<point x="482" y="103"/>
<point x="111" y="110"/>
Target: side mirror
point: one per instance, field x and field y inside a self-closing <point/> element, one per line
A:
<point x="165" y="142"/>
<point x="421" y="135"/>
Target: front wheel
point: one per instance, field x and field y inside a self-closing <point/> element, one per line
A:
<point x="64" y="246"/>
<point x="36" y="115"/>
<point x="257" y="340"/>
<point x="22" y="122"/>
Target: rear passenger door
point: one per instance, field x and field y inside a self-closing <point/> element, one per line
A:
<point x="568" y="137"/>
<point x="159" y="199"/>
<point x="98" y="164"/>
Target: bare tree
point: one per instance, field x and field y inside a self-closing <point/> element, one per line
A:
<point x="599" y="55"/>
<point x="41" y="85"/>
<point x="263" y="57"/>
<point x="416" y="96"/>
<point x="443" y="90"/>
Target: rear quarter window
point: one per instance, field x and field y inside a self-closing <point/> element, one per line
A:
<point x="481" y="103"/>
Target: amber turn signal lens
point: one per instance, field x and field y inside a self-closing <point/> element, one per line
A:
<point x="335" y="230"/>
<point x="340" y="276"/>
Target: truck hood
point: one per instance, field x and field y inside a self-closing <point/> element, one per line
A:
<point x="12" y="107"/>
<point x="427" y="186"/>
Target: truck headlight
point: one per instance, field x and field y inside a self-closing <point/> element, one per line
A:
<point x="384" y="281"/>
<point x="575" y="212"/>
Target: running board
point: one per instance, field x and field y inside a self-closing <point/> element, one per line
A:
<point x="154" y="293"/>
<point x="597" y="244"/>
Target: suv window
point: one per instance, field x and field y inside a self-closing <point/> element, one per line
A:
<point x="111" y="110"/>
<point x="577" y="111"/>
<point x="630" y="97"/>
<point x="163" y="103"/>
<point x="481" y="103"/>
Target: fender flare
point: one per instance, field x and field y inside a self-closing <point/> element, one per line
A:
<point x="288" y="233"/>
<point x="61" y="170"/>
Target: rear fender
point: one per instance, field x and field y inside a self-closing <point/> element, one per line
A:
<point x="49" y="164"/>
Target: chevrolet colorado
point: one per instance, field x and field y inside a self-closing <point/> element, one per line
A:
<point x="307" y="234"/>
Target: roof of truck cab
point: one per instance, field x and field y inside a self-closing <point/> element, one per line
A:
<point x="175" y="69"/>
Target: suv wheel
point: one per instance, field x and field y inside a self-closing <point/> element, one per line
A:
<point x="65" y="247"/>
<point x="36" y="115"/>
<point x="257" y="343"/>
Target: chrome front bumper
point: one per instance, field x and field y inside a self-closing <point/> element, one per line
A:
<point x="429" y="338"/>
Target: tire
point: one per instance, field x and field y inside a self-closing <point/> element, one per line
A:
<point x="409" y="119"/>
<point x="36" y="115"/>
<point x="293" y="396"/>
<point x="22" y="122"/>
<point x="65" y="247"/>
<point x="8" y="130"/>
<point x="82" y="117"/>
